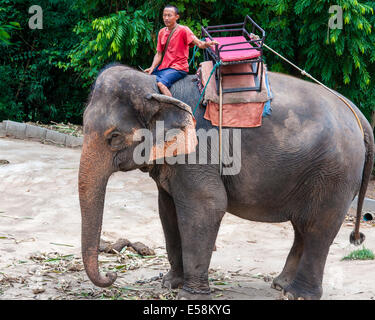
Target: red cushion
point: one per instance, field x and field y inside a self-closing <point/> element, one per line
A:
<point x="236" y="55"/>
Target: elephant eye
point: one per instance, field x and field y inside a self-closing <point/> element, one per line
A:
<point x="113" y="134"/>
<point x="115" y="139"/>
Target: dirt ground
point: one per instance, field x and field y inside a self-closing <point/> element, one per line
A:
<point x="40" y="238"/>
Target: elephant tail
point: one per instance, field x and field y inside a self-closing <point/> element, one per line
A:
<point x="357" y="237"/>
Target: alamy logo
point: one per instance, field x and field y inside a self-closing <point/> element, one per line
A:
<point x="172" y="147"/>
<point x="335" y="21"/>
<point x="36" y="21"/>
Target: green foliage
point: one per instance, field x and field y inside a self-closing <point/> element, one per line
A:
<point x="118" y="37"/>
<point x="361" y="254"/>
<point x="5" y="29"/>
<point x="342" y="59"/>
<point x="35" y="88"/>
<point x="53" y="69"/>
<point x="4" y="32"/>
<point x="9" y="108"/>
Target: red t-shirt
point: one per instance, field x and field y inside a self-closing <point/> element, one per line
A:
<point x="177" y="54"/>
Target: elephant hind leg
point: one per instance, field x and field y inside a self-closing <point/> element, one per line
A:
<point x="290" y="268"/>
<point x="307" y="283"/>
<point x="317" y="238"/>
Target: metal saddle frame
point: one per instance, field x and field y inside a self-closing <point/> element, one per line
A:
<point x="252" y="44"/>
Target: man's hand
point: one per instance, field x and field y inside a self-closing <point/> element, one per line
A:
<point x="155" y="63"/>
<point x="210" y="43"/>
<point x="204" y="44"/>
<point x="149" y="70"/>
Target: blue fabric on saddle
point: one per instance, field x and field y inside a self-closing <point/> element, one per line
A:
<point x="267" y="106"/>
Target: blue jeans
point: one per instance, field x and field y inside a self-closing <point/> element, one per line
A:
<point x="168" y="76"/>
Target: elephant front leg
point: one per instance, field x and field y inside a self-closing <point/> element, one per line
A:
<point x="198" y="228"/>
<point x="167" y="211"/>
<point x="200" y="199"/>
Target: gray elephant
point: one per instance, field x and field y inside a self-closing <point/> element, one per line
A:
<point x="305" y="164"/>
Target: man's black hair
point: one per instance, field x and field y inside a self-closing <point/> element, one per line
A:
<point x="172" y="7"/>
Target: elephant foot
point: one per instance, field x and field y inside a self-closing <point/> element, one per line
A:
<point x="294" y="293"/>
<point x="172" y="280"/>
<point x="279" y="283"/>
<point x="183" y="294"/>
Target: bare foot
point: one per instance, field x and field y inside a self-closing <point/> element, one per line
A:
<point x="164" y="90"/>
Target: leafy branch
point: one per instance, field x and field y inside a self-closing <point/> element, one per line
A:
<point x="5" y="29"/>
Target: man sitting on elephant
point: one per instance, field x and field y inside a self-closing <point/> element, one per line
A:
<point x="171" y="59"/>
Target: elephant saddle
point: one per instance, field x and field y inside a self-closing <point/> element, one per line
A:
<point x="240" y="109"/>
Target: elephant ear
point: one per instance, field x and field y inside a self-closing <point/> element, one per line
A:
<point x="172" y="124"/>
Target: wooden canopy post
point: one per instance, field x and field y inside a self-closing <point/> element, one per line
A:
<point x="220" y="125"/>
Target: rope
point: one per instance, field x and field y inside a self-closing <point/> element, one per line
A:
<point x="196" y="48"/>
<point x="204" y="89"/>
<point x="304" y="73"/>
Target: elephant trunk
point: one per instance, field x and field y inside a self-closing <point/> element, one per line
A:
<point x="94" y="172"/>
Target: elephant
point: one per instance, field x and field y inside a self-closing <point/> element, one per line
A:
<point x="305" y="164"/>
